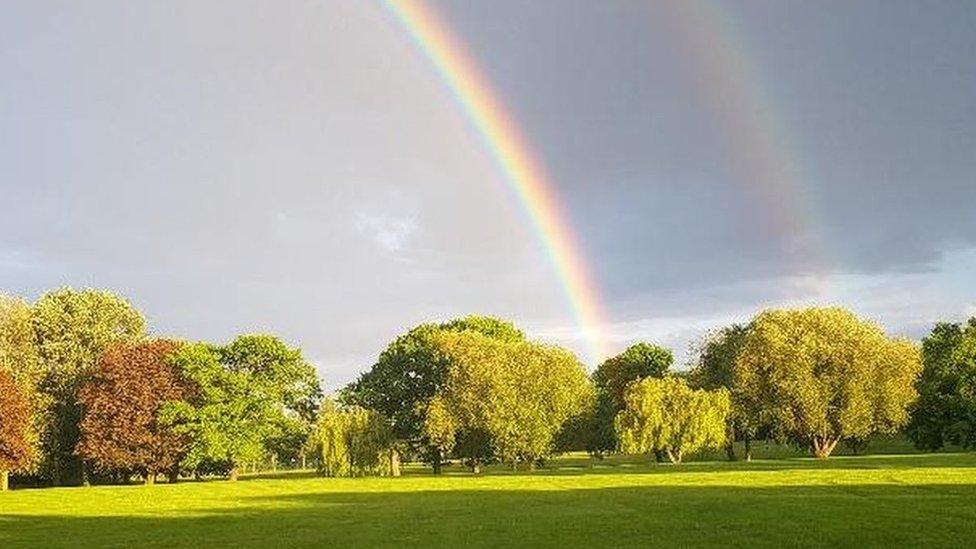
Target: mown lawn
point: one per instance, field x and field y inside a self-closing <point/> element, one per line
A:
<point x="893" y="501"/>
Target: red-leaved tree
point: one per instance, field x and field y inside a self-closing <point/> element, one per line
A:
<point x="14" y="421"/>
<point x="120" y="431"/>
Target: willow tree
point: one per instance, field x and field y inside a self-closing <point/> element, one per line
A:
<point x="518" y="394"/>
<point x="611" y="379"/>
<point x="820" y="375"/>
<point x="353" y="441"/>
<point x="666" y="414"/>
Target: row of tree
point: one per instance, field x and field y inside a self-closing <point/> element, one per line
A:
<point x="87" y="394"/>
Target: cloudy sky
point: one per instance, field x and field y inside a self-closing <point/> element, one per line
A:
<point x="299" y="167"/>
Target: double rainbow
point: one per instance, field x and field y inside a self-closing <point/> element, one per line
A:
<point x="523" y="173"/>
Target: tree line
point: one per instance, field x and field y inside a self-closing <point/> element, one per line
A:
<point x="87" y="395"/>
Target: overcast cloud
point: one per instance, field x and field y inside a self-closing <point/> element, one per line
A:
<point x="298" y="168"/>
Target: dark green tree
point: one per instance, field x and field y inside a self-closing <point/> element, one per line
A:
<point x="945" y="412"/>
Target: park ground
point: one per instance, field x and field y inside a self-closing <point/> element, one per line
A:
<point x="860" y="501"/>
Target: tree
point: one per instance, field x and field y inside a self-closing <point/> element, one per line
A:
<point x="611" y="379"/>
<point x="289" y="380"/>
<point x="228" y="417"/>
<point x="668" y="414"/>
<point x="518" y="394"/>
<point x="714" y="370"/>
<point x="818" y="375"/>
<point x="72" y="329"/>
<point x="409" y="373"/>
<point x="18" y="357"/>
<point x="945" y="412"/>
<point x="353" y="441"/>
<point x="120" y="429"/>
<point x="14" y="425"/>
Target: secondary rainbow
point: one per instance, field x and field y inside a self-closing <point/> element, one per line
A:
<point x="523" y="173"/>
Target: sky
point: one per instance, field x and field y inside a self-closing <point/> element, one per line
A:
<point x="300" y="168"/>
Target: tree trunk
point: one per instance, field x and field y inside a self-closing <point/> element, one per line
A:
<point x="475" y="467"/>
<point x="730" y="451"/>
<point x="748" y="440"/>
<point x="4" y="481"/>
<point x="823" y="446"/>
<point x="659" y="456"/>
<point x="437" y="465"/>
<point x="674" y="456"/>
<point x="304" y="462"/>
<point x="149" y="479"/>
<point x="394" y="462"/>
<point x="173" y="476"/>
<point x="234" y="472"/>
<point x="274" y="463"/>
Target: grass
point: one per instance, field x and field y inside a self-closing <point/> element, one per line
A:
<point x="889" y="500"/>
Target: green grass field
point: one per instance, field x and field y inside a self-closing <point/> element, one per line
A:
<point x="894" y="500"/>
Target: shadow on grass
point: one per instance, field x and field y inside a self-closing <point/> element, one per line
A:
<point x="869" y="515"/>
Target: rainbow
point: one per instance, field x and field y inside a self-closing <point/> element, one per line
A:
<point x="523" y="173"/>
<point x="762" y="153"/>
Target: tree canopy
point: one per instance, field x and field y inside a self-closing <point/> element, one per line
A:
<point x="72" y="328"/>
<point x="821" y="374"/>
<point x="666" y="414"/>
<point x="518" y="393"/>
<point x="411" y="370"/>
<point x="945" y="412"/>
<point x="611" y="379"/>
<point x="14" y="424"/>
<point x="121" y="401"/>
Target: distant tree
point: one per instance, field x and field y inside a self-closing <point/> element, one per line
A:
<point x="72" y="329"/>
<point x="410" y="372"/>
<point x="14" y="426"/>
<point x="353" y="441"/>
<point x="714" y="369"/>
<point x="518" y="394"/>
<point x="229" y="417"/>
<point x="120" y="430"/>
<point x="668" y="414"/>
<point x="18" y="356"/>
<point x="819" y="375"/>
<point x="611" y="379"/>
<point x="945" y="412"/>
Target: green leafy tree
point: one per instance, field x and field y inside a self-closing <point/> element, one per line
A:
<point x="819" y="375"/>
<point x="945" y="412"/>
<point x="72" y="329"/>
<point x="714" y="370"/>
<point x="288" y="379"/>
<point x="411" y="371"/>
<point x="668" y="414"/>
<point x="611" y="379"/>
<point x="229" y="417"/>
<point x="353" y="441"/>
<point x="18" y="357"/>
<point x="517" y="394"/>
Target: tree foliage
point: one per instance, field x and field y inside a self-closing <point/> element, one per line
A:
<point x="518" y="394"/>
<point x="945" y="412"/>
<point x="120" y="403"/>
<point x="611" y="379"/>
<point x="353" y="441"/>
<point x="666" y="414"/>
<point x="714" y="369"/>
<point x="411" y="370"/>
<point x="228" y="416"/>
<point x="14" y="425"/>
<point x="72" y="329"/>
<point x="18" y="357"/>
<point x="819" y="375"/>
